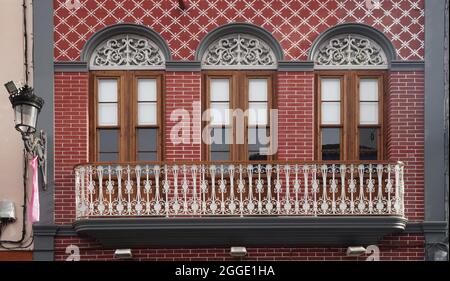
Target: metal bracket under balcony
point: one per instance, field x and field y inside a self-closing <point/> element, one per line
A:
<point x="247" y="231"/>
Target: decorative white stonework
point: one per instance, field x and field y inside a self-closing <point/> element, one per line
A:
<point x="350" y="51"/>
<point x="239" y="51"/>
<point x="127" y="51"/>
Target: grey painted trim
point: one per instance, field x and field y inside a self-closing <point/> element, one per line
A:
<point x="121" y="28"/>
<point x="356" y="28"/>
<point x="208" y="232"/>
<point x="426" y="227"/>
<point x="435" y="208"/>
<point x="411" y="227"/>
<point x="295" y="66"/>
<point x="43" y="85"/>
<point x="65" y="230"/>
<point x="407" y="65"/>
<point x="70" y="66"/>
<point x="435" y="226"/>
<point x="81" y="66"/>
<point x="417" y="227"/>
<point x="44" y="242"/>
<point x="183" y="66"/>
<point x="247" y="28"/>
<point x="414" y="227"/>
<point x="434" y="111"/>
<point x="45" y="234"/>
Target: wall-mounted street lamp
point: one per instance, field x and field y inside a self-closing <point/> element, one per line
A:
<point x="27" y="107"/>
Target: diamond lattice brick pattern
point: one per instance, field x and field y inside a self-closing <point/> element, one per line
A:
<point x="294" y="23"/>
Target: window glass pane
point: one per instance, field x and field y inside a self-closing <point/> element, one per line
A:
<point x="368" y="146"/>
<point x="108" y="157"/>
<point x="146" y="90"/>
<point x="147" y="113"/>
<point x="256" y="155"/>
<point x="258" y="142"/>
<point x="257" y="113"/>
<point x="108" y="145"/>
<point x="220" y="139"/>
<point x="368" y="89"/>
<point x="331" y="144"/>
<point x="220" y="156"/>
<point x="108" y="140"/>
<point x="220" y="148"/>
<point x="331" y="89"/>
<point x="107" y="90"/>
<point x="220" y="90"/>
<point x="331" y="113"/>
<point x="220" y="114"/>
<point x="257" y="89"/>
<point x="107" y="114"/>
<point x="368" y="113"/>
<point x="147" y="139"/>
<point x="147" y="156"/>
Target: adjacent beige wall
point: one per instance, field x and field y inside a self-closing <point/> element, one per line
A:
<point x="12" y="68"/>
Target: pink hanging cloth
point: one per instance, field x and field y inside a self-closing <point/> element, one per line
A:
<point x="33" y="211"/>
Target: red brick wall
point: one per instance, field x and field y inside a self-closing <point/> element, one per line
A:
<point x="295" y="99"/>
<point x="182" y="90"/>
<point x="405" y="134"/>
<point x="71" y="139"/>
<point x="398" y="247"/>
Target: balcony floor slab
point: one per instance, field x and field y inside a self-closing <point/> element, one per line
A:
<point x="247" y="231"/>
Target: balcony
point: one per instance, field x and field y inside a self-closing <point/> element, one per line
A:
<point x="353" y="200"/>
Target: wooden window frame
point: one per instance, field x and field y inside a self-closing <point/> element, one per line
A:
<point x="238" y="99"/>
<point x="350" y="103"/>
<point x="127" y="123"/>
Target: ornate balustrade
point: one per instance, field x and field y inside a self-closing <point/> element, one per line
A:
<point x="205" y="189"/>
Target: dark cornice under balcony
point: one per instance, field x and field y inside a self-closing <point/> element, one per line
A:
<point x="247" y="231"/>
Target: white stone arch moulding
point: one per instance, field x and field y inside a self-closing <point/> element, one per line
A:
<point x="350" y="51"/>
<point x="127" y="51"/>
<point x="239" y="46"/>
<point x="352" y="46"/>
<point x="239" y="51"/>
<point x="126" y="47"/>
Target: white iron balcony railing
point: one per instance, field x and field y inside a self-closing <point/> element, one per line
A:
<point x="239" y="189"/>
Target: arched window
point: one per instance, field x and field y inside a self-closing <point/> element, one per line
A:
<point x="126" y="83"/>
<point x="238" y="63"/>
<point x="351" y="63"/>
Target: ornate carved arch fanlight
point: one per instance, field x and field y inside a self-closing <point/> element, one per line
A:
<point x="350" y="51"/>
<point x="352" y="46"/>
<point x="239" y="51"/>
<point x="127" y="51"/>
<point x="239" y="46"/>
